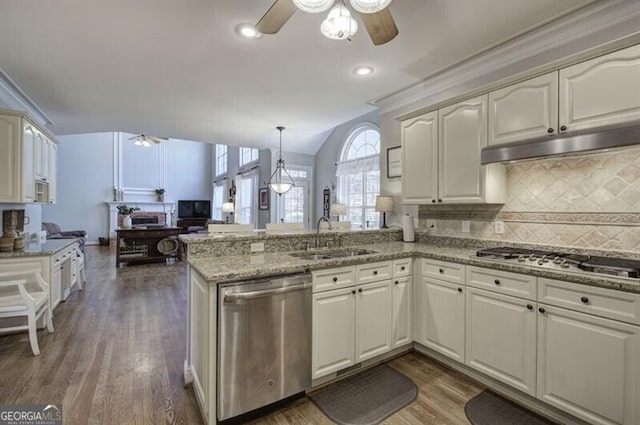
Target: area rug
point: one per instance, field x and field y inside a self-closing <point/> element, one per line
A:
<point x="366" y="398"/>
<point x="488" y="408"/>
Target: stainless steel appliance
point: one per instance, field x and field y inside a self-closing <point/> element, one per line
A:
<point x="264" y="342"/>
<point x="613" y="266"/>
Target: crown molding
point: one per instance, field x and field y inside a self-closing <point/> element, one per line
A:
<point x="592" y="19"/>
<point x="15" y="98"/>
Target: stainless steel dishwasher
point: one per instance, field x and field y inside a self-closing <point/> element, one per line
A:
<point x="264" y="342"/>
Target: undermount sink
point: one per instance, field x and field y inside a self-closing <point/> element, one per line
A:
<point x="334" y="254"/>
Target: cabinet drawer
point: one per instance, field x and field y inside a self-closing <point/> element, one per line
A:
<point x="609" y="303"/>
<point x="324" y="280"/>
<point x="366" y="273"/>
<point x="451" y="272"/>
<point x="518" y="285"/>
<point x="402" y="267"/>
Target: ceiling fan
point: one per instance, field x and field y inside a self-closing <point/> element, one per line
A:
<point x="147" y="141"/>
<point x="375" y="16"/>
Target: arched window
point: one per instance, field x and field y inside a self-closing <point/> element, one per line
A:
<point x="358" y="175"/>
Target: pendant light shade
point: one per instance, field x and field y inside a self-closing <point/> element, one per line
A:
<point x="339" y="24"/>
<point x="369" y="6"/>
<point x="280" y="182"/>
<point x="313" y="6"/>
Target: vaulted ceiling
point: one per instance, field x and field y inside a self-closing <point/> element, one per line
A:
<point x="176" y="68"/>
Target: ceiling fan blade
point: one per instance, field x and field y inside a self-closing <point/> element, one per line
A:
<point x="380" y="26"/>
<point x="277" y="15"/>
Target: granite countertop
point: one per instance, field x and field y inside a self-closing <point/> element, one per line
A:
<point x="237" y="267"/>
<point x="34" y="249"/>
<point x="194" y="238"/>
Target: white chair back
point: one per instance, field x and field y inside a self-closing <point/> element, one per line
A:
<point x="336" y="226"/>
<point x="230" y="228"/>
<point x="284" y="227"/>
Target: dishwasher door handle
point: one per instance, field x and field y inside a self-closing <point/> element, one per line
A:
<point x="265" y="293"/>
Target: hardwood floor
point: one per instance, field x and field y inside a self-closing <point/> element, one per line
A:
<point x="117" y="354"/>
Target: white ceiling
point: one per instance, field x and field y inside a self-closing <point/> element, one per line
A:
<point x="175" y="68"/>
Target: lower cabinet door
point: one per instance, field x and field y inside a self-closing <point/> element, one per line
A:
<point x="589" y="366"/>
<point x="333" y="331"/>
<point x="501" y="338"/>
<point x="442" y="317"/>
<point x="56" y="287"/>
<point x="401" y="322"/>
<point x="373" y="319"/>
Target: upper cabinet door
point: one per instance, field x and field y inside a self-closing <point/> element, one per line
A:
<point x="525" y="110"/>
<point x="463" y="133"/>
<point x="53" y="170"/>
<point x="39" y="147"/>
<point x="9" y="166"/>
<point x="604" y="91"/>
<point x="420" y="159"/>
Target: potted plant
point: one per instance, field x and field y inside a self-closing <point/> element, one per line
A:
<point x="126" y="212"/>
<point x="160" y="194"/>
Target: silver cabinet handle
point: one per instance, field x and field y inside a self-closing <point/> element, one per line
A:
<point x="261" y="294"/>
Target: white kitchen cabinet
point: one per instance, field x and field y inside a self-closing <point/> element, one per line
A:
<point x="402" y="311"/>
<point x="462" y="134"/>
<point x="21" y="160"/>
<point x="373" y="320"/>
<point x="442" y="324"/>
<point x="501" y="338"/>
<point x="333" y="343"/>
<point x="601" y="92"/>
<point x="53" y="173"/>
<point x="56" y="286"/>
<point x="525" y="110"/>
<point x="589" y="366"/>
<point x="420" y="159"/>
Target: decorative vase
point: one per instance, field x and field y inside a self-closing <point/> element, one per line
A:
<point x="126" y="222"/>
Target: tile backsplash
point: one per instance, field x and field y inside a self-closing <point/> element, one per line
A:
<point x="589" y="201"/>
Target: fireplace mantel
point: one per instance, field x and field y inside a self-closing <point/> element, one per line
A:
<point x="166" y="207"/>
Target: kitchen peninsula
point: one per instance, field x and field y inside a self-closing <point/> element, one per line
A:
<point x="437" y="297"/>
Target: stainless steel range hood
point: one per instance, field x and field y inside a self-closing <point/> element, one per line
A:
<point x="562" y="145"/>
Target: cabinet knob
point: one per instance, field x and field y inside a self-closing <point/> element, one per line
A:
<point x="335" y="279"/>
<point x="563" y="128"/>
<point x="433" y="200"/>
<point x="459" y="289"/>
<point x="541" y="310"/>
<point x="441" y="270"/>
<point x="585" y="300"/>
<point x="353" y="292"/>
<point x="396" y="282"/>
<point x="439" y="200"/>
<point x="529" y="307"/>
<point x="359" y="289"/>
<point x="497" y="281"/>
<point x="375" y="272"/>
<point x="402" y="268"/>
<point x="550" y="130"/>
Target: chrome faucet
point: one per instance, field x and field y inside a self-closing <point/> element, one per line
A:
<point x="323" y="218"/>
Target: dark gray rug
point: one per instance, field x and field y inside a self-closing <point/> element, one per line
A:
<point x="366" y="398"/>
<point x="488" y="408"/>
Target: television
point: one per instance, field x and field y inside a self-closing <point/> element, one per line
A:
<point x="194" y="209"/>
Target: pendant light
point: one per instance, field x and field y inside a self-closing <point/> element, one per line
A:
<point x="281" y="182"/>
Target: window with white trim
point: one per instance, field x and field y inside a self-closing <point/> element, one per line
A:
<point x="221" y="159"/>
<point x="218" y="198"/>
<point x="246" y="198"/>
<point x="248" y="155"/>
<point x="358" y="176"/>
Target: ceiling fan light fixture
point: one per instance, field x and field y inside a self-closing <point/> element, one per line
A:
<point x="369" y="6"/>
<point x="339" y="24"/>
<point x="280" y="181"/>
<point x="313" y="6"/>
<point x="248" y="31"/>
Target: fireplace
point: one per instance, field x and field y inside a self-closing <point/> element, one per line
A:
<point x="149" y="213"/>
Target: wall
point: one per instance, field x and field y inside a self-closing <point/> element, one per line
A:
<point x="86" y="178"/>
<point x="34" y="212"/>
<point x="590" y="201"/>
<point x="84" y="182"/>
<point x="329" y="153"/>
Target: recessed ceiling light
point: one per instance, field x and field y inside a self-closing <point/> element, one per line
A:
<point x="363" y="70"/>
<point x="248" y="31"/>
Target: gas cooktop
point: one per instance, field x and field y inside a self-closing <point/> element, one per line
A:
<point x="611" y="266"/>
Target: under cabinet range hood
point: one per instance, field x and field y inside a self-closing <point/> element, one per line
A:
<point x="563" y="145"/>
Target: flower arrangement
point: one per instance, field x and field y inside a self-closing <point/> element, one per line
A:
<point x="125" y="210"/>
<point x="160" y="191"/>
